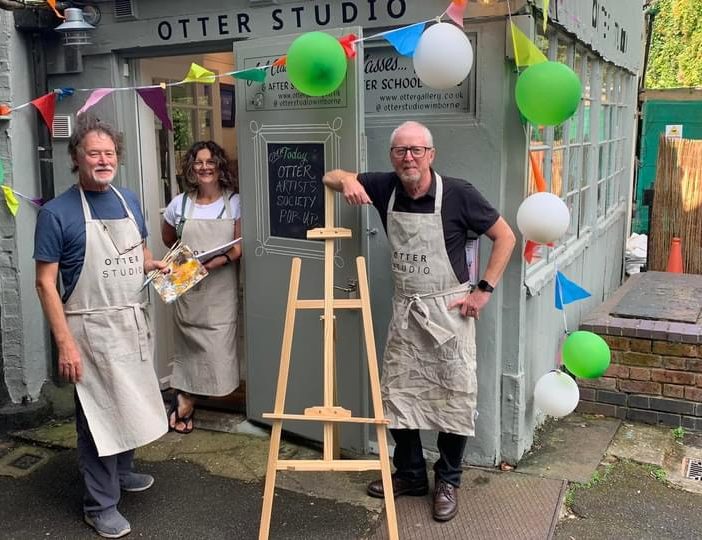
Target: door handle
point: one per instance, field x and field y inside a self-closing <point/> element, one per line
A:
<point x="372" y="232"/>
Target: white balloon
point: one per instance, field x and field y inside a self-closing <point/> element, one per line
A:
<point x="556" y="394"/>
<point x="443" y="56"/>
<point x="543" y="217"/>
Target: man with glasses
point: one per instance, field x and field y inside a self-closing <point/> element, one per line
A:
<point x="429" y="367"/>
<point x="94" y="236"/>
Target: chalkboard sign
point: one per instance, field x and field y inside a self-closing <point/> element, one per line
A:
<point x="295" y="189"/>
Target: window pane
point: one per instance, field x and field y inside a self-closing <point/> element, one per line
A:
<point x="587" y="77"/>
<point x="205" y="128"/>
<point x="572" y="203"/>
<point x="558" y="135"/>
<point x="204" y="95"/>
<point x="562" y="52"/>
<point x="602" y="162"/>
<point x="582" y="220"/>
<point x="183" y="94"/>
<point x="574" y="165"/>
<point x="586" y="120"/>
<point x="557" y="172"/>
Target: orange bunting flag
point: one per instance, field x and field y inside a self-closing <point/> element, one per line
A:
<point x="281" y="61"/>
<point x="4" y="110"/>
<point x="455" y="11"/>
<point x="349" y="45"/>
<point x="538" y="177"/>
<point x="52" y="5"/>
<point x="46" y="105"/>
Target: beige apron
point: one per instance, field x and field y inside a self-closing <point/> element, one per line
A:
<point x="106" y="315"/>
<point x="429" y="379"/>
<point x="205" y="361"/>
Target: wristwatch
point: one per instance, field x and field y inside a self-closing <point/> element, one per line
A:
<point x="485" y="286"/>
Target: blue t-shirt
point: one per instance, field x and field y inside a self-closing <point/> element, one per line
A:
<point x="60" y="232"/>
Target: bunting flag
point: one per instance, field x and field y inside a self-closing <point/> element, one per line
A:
<point x="4" y="110"/>
<point x="545" y="8"/>
<point x="567" y="291"/>
<point x="36" y="201"/>
<point x="199" y="74"/>
<point x="94" y="97"/>
<point x="52" y="5"/>
<point x="405" y="39"/>
<point x="64" y="92"/>
<point x="283" y="60"/>
<point x="46" y="105"/>
<point x="455" y="11"/>
<point x="538" y="177"/>
<point x="10" y="199"/>
<point x="525" y="52"/>
<point x="530" y="250"/>
<point x="253" y="74"/>
<point x="155" y="99"/>
<point x="349" y="44"/>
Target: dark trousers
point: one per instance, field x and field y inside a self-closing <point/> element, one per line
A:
<point x="409" y="460"/>
<point x="100" y="474"/>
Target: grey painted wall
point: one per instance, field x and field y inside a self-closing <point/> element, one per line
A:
<point x="25" y="345"/>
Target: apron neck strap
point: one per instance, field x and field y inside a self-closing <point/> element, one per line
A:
<point x="437" y="195"/>
<point x="87" y="214"/>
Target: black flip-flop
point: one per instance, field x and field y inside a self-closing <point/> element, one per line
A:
<point x="186" y="420"/>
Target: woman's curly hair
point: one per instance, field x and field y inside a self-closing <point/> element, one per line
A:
<point x="228" y="168"/>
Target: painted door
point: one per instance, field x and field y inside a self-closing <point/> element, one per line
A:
<point x="286" y="142"/>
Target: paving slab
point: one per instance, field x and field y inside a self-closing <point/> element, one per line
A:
<point x="642" y="443"/>
<point x="570" y="448"/>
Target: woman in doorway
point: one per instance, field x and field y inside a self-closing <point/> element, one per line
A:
<point x="205" y="216"/>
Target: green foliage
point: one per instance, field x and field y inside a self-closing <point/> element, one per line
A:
<point x="675" y="56"/>
<point x="678" y="433"/>
<point x="657" y="472"/>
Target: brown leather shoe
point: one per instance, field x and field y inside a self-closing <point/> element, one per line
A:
<point x="400" y="486"/>
<point x="445" y="501"/>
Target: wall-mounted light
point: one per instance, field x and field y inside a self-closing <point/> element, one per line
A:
<point x="74" y="28"/>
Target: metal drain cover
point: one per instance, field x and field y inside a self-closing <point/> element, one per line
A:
<point x="25" y="461"/>
<point x="693" y="469"/>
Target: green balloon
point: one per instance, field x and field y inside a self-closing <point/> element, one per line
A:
<point x="586" y="355"/>
<point x="548" y="93"/>
<point x="316" y="63"/>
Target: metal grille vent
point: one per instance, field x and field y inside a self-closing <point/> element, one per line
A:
<point x="694" y="469"/>
<point x="125" y="10"/>
<point x="61" y="126"/>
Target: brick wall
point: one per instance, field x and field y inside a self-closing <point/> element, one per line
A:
<point x="652" y="381"/>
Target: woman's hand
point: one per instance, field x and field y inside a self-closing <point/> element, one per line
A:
<point x="216" y="262"/>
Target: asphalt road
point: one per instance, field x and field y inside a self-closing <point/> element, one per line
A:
<point x="185" y="502"/>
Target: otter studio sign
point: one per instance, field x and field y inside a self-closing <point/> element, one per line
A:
<point x="283" y="20"/>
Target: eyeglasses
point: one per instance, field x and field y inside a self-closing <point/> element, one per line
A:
<point x="416" y="151"/>
<point x="200" y="164"/>
<point x="95" y="154"/>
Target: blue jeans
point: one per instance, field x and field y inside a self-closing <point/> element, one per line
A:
<point x="409" y="460"/>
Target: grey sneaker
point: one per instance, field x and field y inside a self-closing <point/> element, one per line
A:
<point x="134" y="482"/>
<point x="109" y="524"/>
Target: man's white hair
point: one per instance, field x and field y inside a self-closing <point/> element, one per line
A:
<point x="411" y="123"/>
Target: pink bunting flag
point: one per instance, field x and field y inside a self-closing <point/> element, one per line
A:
<point x="155" y="98"/>
<point x="46" y="105"/>
<point x="455" y="11"/>
<point x="96" y="96"/>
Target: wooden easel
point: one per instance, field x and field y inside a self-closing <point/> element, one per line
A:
<point x="327" y="413"/>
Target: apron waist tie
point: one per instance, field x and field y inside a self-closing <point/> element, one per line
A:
<point x="139" y="317"/>
<point x="420" y="312"/>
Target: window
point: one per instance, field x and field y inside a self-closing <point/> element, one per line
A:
<point x="582" y="160"/>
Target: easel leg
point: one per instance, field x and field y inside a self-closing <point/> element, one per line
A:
<point x="376" y="398"/>
<point x="271" y="473"/>
<point x="281" y="389"/>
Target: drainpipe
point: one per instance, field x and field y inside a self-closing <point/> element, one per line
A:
<point x="44" y="151"/>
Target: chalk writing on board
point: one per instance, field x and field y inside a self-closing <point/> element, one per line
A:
<point x="295" y="191"/>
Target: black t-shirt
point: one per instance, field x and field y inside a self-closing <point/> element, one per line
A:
<point x="463" y="209"/>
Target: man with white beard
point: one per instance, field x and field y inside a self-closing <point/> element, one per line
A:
<point x="429" y="379"/>
<point x="94" y="235"/>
